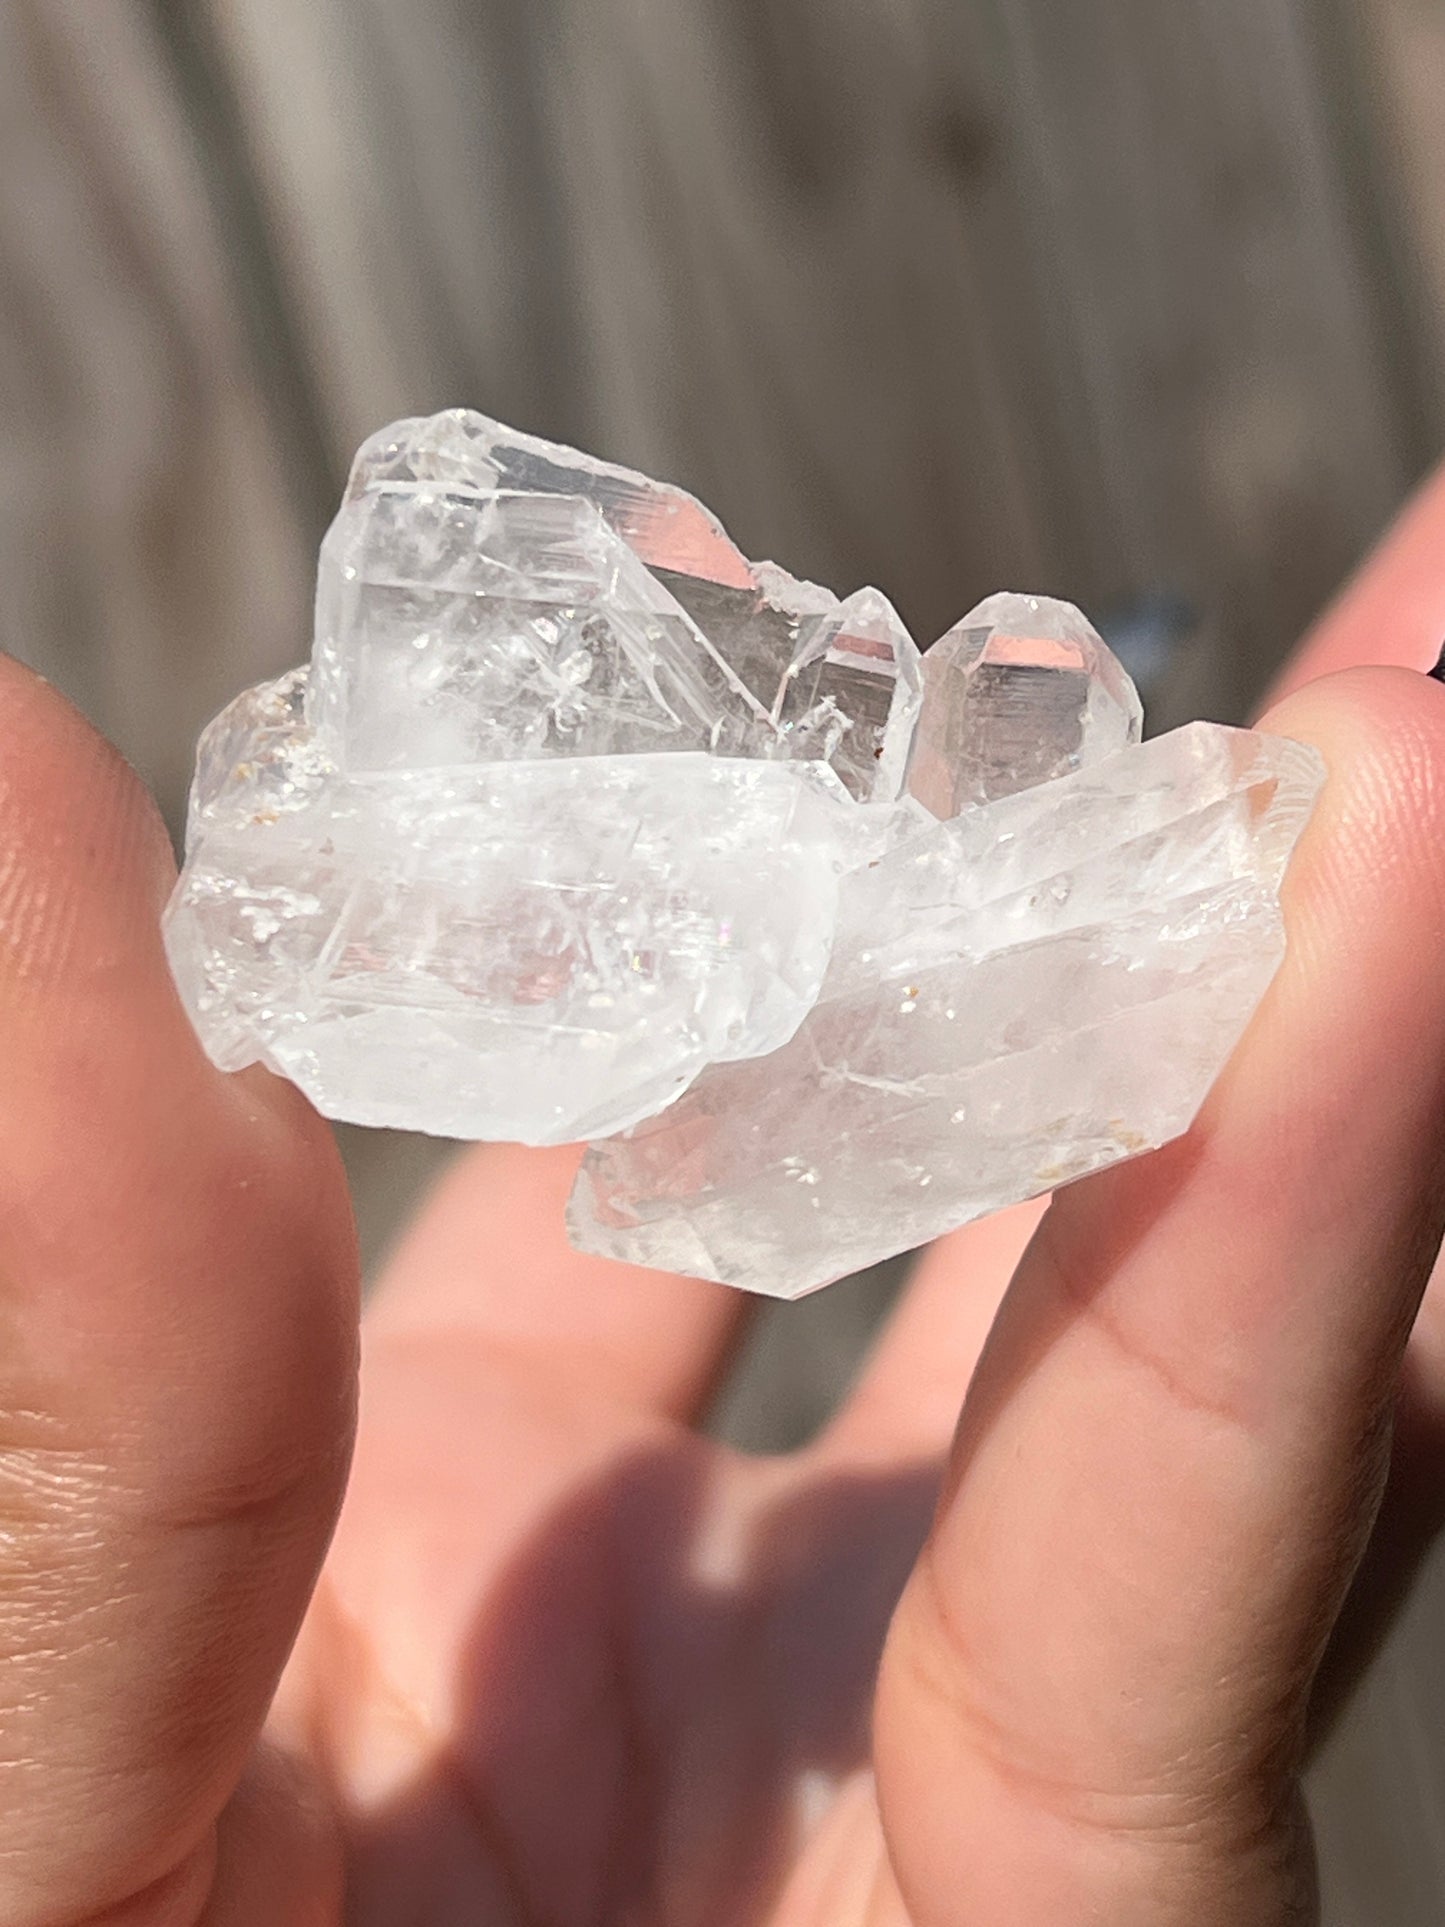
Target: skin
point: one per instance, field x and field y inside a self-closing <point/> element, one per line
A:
<point x="567" y="1664"/>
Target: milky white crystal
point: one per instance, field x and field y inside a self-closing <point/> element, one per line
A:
<point x="525" y="849"/>
<point x="1017" y="998"/>
<point x="581" y="825"/>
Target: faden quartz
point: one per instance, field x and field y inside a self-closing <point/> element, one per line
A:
<point x="582" y="826"/>
<point x="1010" y="1005"/>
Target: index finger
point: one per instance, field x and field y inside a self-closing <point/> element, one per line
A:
<point x="1393" y="612"/>
<point x="1170" y="1455"/>
<point x="176" y="1380"/>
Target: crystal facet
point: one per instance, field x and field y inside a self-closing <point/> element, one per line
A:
<point x="1010" y="1006"/>
<point x="580" y="825"/>
<point x="1020" y="692"/>
<point x="484" y="595"/>
<point x="543" y="951"/>
<point x="470" y="629"/>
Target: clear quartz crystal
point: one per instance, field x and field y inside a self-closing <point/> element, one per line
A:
<point x="541" y="951"/>
<point x="852" y="694"/>
<point x="1009" y="1007"/>
<point x="558" y="815"/>
<point x="469" y="629"/>
<point x="580" y="825"/>
<point x="484" y="595"/>
<point x="1020" y="692"/>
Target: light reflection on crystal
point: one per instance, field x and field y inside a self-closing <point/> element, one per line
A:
<point x="1020" y="692"/>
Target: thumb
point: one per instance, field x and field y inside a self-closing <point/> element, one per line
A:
<point x="1093" y="1699"/>
<point x="177" y="1290"/>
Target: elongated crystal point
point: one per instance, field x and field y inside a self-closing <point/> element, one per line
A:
<point x="1010" y="1006"/>
<point x="581" y="825"/>
<point x="1022" y="691"/>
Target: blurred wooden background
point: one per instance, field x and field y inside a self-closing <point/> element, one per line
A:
<point x="1114" y="298"/>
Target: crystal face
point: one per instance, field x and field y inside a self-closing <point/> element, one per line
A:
<point x="1016" y="998"/>
<point x="1021" y="691"/>
<point x="543" y="951"/>
<point x="486" y="596"/>
<point x="582" y="826"/>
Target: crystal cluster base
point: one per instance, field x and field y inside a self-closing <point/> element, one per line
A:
<point x="581" y="826"/>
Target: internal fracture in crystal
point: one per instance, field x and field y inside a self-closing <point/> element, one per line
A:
<point x="1010" y="1005"/>
<point x="580" y="825"/>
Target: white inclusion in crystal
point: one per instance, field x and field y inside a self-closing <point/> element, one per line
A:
<point x="1022" y="691"/>
<point x="504" y="597"/>
<point x="499" y="628"/>
<point x="534" y="951"/>
<point x="1016" y="999"/>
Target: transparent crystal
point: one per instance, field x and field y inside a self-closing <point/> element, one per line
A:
<point x="852" y="694"/>
<point x="485" y="596"/>
<point x="1016" y="999"/>
<point x="539" y="951"/>
<point x="259" y="758"/>
<point x="580" y="825"/>
<point x="1022" y="691"/>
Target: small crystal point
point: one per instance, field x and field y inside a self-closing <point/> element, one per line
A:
<point x="853" y="692"/>
<point x="1022" y="691"/>
<point x="258" y="759"/>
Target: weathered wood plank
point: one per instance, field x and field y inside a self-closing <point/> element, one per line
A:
<point x="939" y="296"/>
<point x="147" y="546"/>
<point x="1395" y="84"/>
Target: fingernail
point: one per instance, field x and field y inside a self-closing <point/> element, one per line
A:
<point x="1438" y="672"/>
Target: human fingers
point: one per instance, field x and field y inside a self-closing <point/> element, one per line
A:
<point x="508" y="1382"/>
<point x="177" y="1285"/>
<point x="1394" y="609"/>
<point x="1393" y="612"/>
<point x="905" y="1402"/>
<point x="488" y="1261"/>
<point x="1093" y="1700"/>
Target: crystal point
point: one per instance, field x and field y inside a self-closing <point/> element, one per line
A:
<point x="852" y="692"/>
<point x="1023" y="690"/>
<point x="581" y="825"/>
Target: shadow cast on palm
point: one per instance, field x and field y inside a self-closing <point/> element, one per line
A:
<point x="651" y="1706"/>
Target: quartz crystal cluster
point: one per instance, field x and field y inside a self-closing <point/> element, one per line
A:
<point x="581" y="826"/>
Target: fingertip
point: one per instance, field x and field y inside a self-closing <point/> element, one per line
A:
<point x="1169" y="1456"/>
<point x="1394" y="609"/>
<point x="179" y="1296"/>
<point x="1388" y="714"/>
<point x="1365" y="898"/>
<point x="80" y="837"/>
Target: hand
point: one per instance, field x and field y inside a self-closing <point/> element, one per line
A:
<point x="567" y="1662"/>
